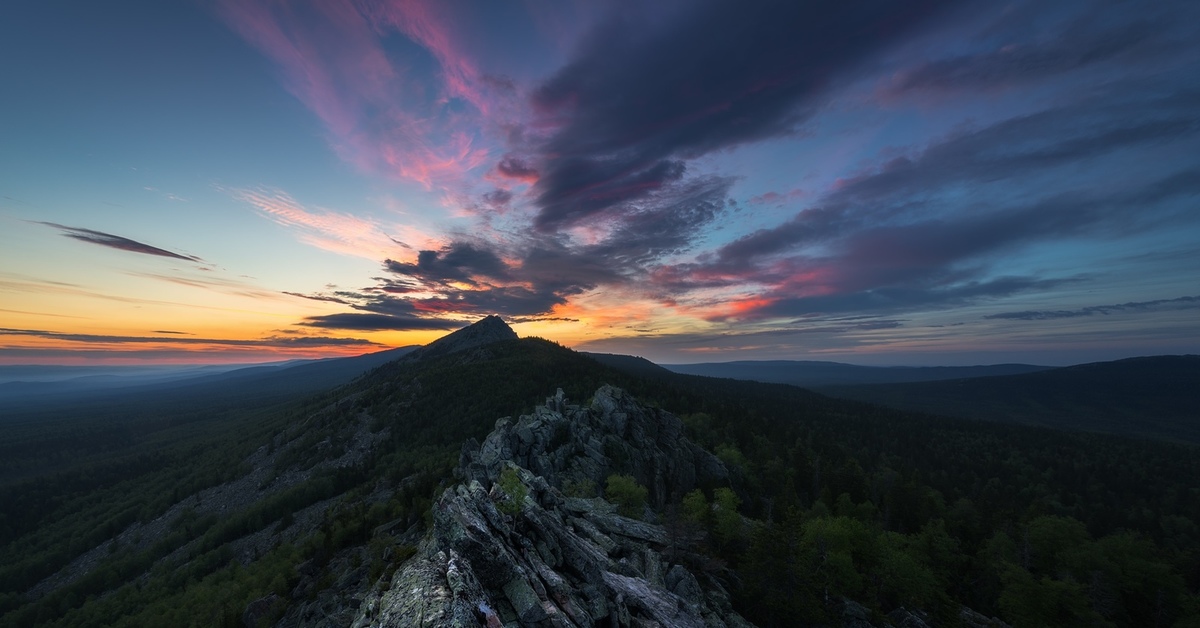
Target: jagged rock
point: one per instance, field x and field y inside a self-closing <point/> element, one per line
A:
<point x="904" y="618"/>
<point x="552" y="560"/>
<point x="259" y="609"/>
<point x="614" y="434"/>
<point x="973" y="619"/>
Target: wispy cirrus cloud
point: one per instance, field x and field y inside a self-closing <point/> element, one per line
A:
<point x="381" y="114"/>
<point x="174" y="338"/>
<point x="336" y="232"/>
<point x="117" y="242"/>
<point x="1157" y="305"/>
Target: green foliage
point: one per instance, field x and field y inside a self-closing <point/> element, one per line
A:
<point x="841" y="499"/>
<point x="726" y="522"/>
<point x="627" y="494"/>
<point x="514" y="489"/>
<point x="731" y="455"/>
<point x="694" y="507"/>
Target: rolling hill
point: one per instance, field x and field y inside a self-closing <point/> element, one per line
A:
<point x="1155" y="397"/>
<point x="814" y="374"/>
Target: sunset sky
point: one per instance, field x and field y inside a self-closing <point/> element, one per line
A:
<point x="874" y="182"/>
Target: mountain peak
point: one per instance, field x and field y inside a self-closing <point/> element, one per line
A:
<point x="485" y="331"/>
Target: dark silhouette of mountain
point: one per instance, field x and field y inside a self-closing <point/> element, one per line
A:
<point x="487" y="330"/>
<point x="1151" y="396"/>
<point x="634" y="365"/>
<point x="811" y="374"/>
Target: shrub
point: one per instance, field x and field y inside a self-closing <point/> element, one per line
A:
<point x="627" y="494"/>
<point x="511" y="484"/>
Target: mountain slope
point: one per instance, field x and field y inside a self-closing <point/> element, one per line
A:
<point x="591" y="565"/>
<point x="1154" y="396"/>
<point x="330" y="510"/>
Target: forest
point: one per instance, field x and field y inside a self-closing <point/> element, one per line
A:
<point x="830" y="499"/>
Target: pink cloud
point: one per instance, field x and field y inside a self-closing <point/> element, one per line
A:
<point x="382" y="114"/>
<point x="332" y="231"/>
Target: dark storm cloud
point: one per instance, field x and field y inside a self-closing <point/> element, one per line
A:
<point x="645" y="94"/>
<point x="881" y="211"/>
<point x="375" y="322"/>
<point x="318" y="297"/>
<point x="1181" y="303"/>
<point x="458" y="261"/>
<point x="117" y="242"/>
<point x="530" y="275"/>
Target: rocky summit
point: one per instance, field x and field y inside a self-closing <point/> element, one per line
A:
<point x="520" y="542"/>
<point x="485" y="331"/>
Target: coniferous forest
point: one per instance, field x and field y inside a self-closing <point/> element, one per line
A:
<point x="828" y="500"/>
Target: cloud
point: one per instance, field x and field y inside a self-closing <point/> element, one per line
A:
<point x="1079" y="45"/>
<point x="900" y="235"/>
<point x="117" y="242"/>
<point x="458" y="261"/>
<point x="381" y="115"/>
<point x="318" y="297"/>
<point x="375" y="322"/>
<point x="337" y="232"/>
<point x="515" y="168"/>
<point x="174" y="338"/>
<point x="893" y="299"/>
<point x="1180" y="303"/>
<point x="784" y="341"/>
<point x="1025" y="44"/>
<point x="645" y="93"/>
<point x="531" y="274"/>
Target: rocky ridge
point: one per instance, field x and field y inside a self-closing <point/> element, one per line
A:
<point x="509" y="547"/>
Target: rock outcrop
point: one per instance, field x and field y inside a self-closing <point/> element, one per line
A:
<point x="510" y="548"/>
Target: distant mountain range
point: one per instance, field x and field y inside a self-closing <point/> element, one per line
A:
<point x="27" y="386"/>
<point x="814" y="374"/>
<point x="1155" y="396"/>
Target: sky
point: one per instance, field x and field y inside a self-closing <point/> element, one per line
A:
<point x="935" y="182"/>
